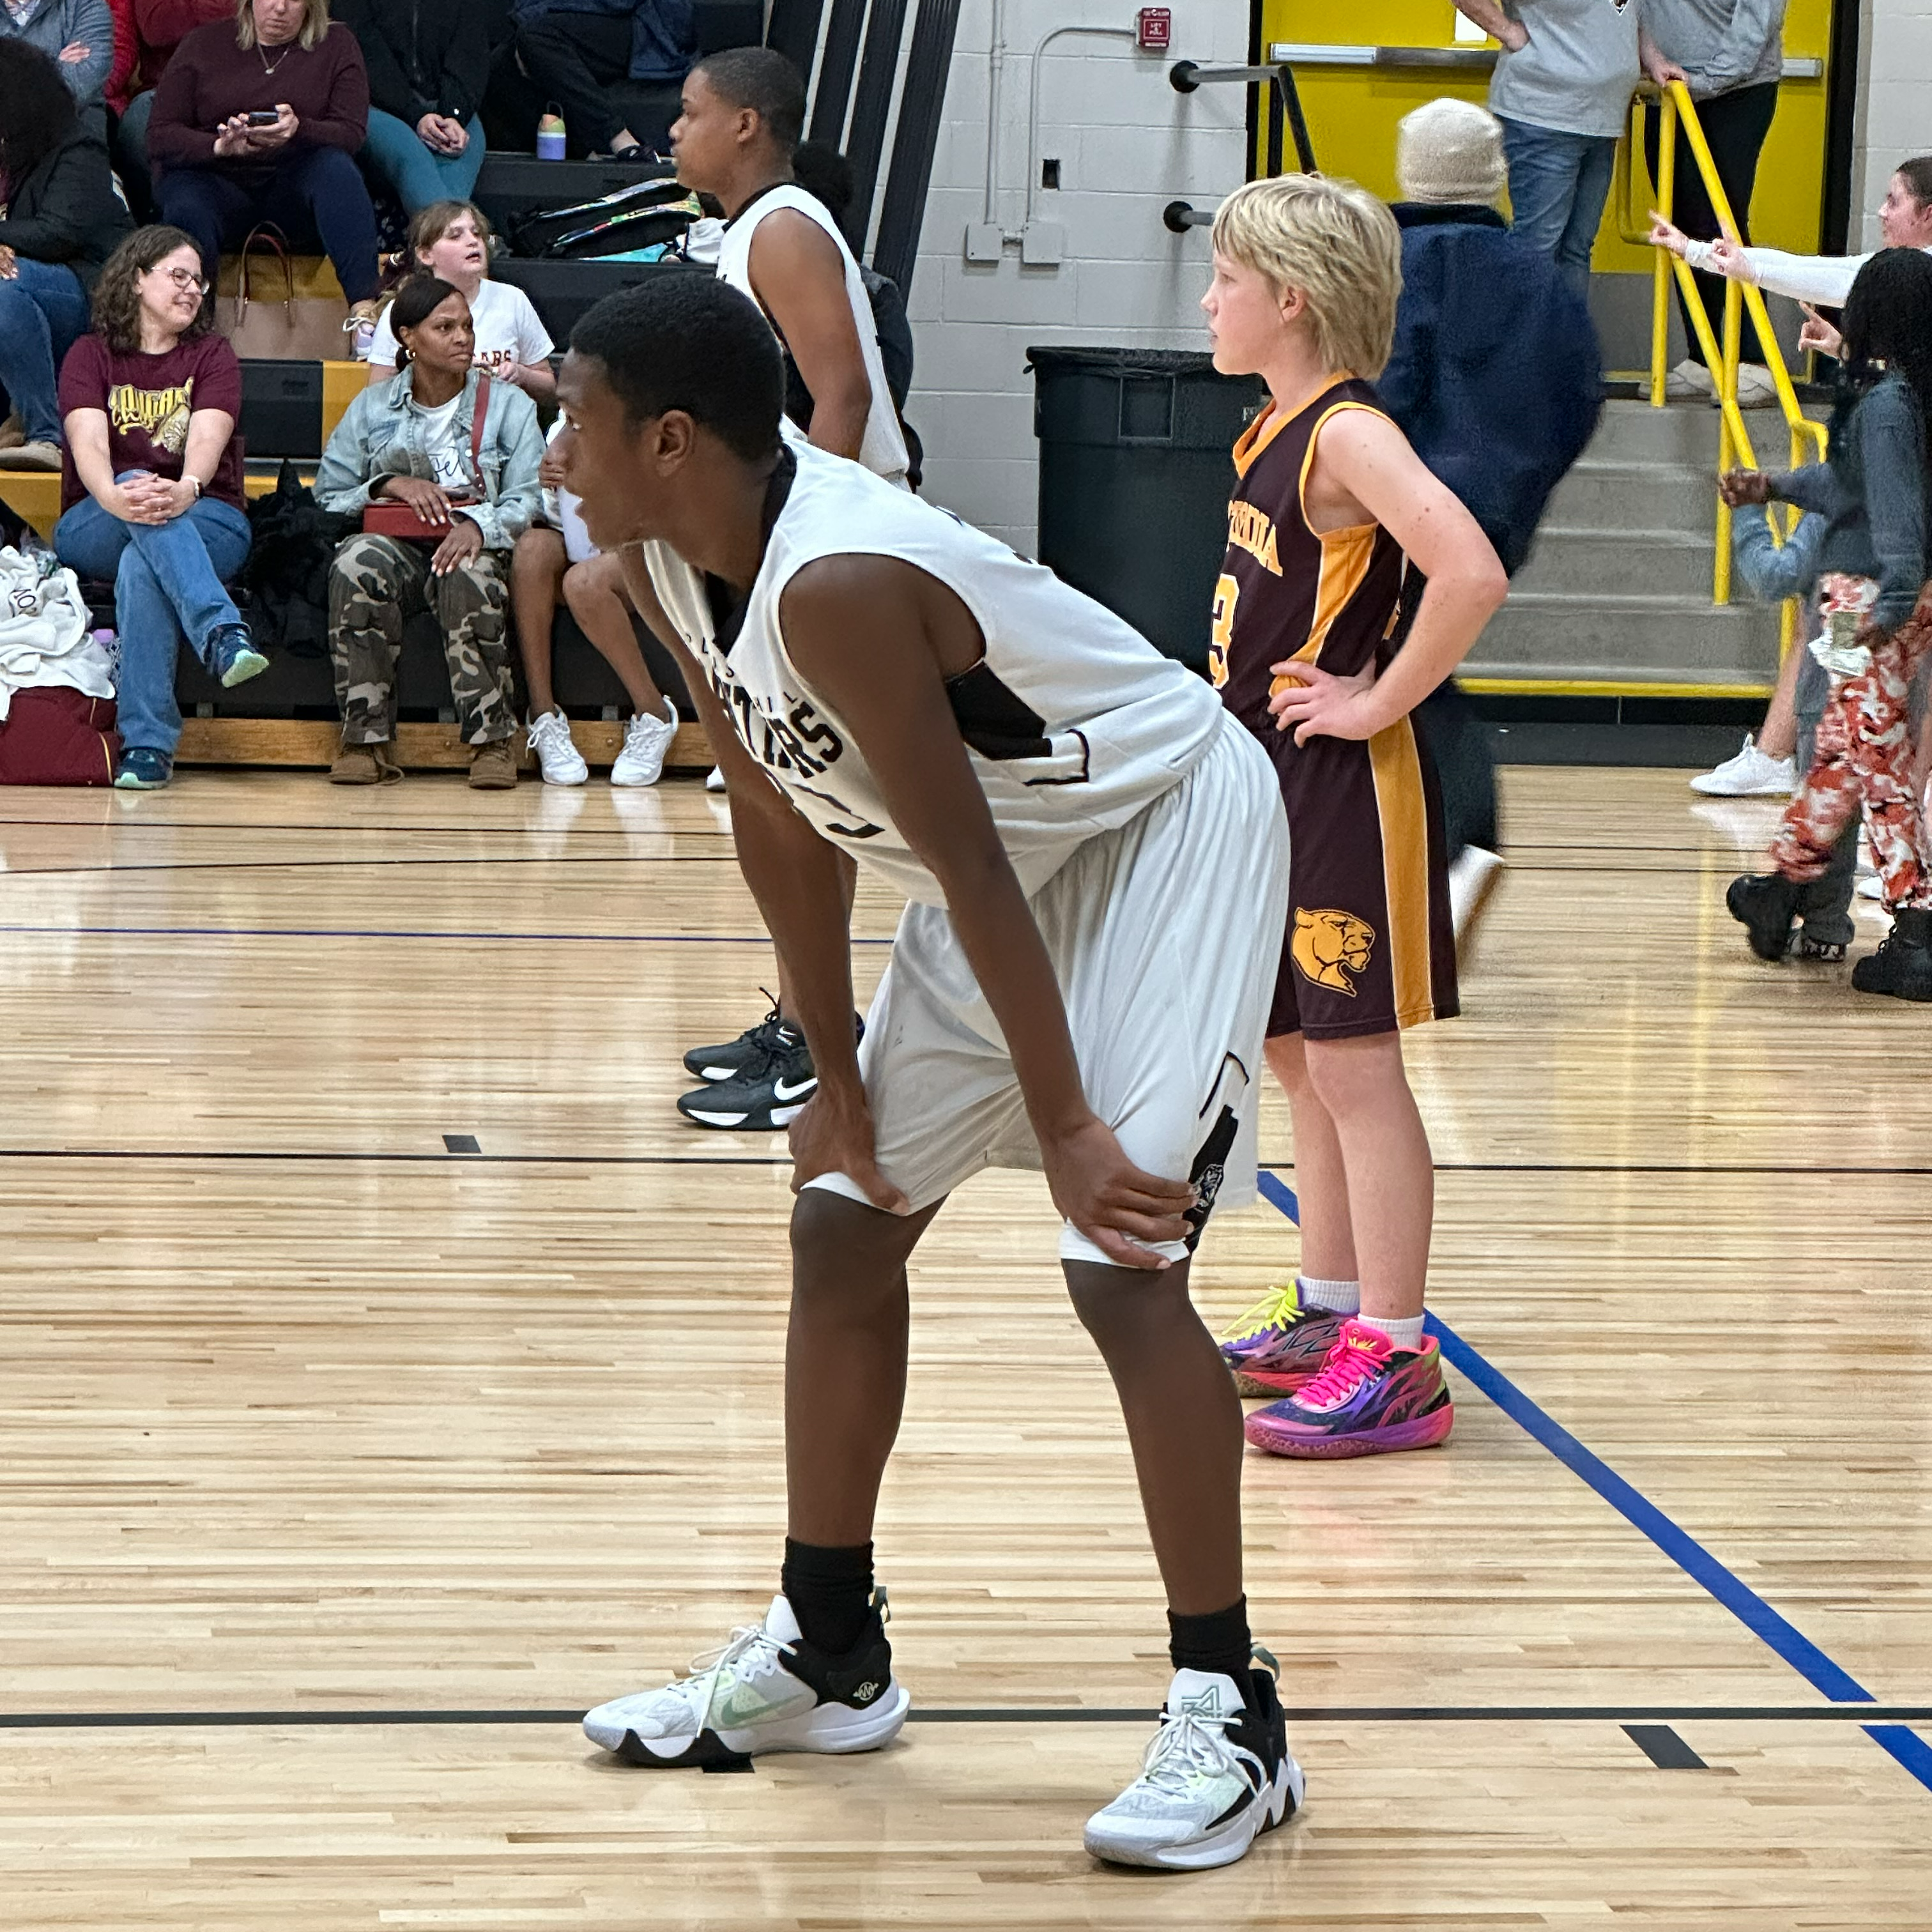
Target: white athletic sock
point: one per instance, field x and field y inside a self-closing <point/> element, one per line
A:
<point x="1405" y="1333"/>
<point x="1342" y="1297"/>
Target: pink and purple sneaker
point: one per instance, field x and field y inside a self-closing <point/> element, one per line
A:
<point x="1279" y="1344"/>
<point x="1370" y="1397"/>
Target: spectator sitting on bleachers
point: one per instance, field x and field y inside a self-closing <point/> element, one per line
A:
<point x="218" y="176"/>
<point x="575" y="53"/>
<point x="429" y="64"/>
<point x="79" y="36"/>
<point x="557" y="554"/>
<point x="409" y="441"/>
<point x="146" y="33"/>
<point x="152" y="495"/>
<point x="59" y="221"/>
<point x="451" y="240"/>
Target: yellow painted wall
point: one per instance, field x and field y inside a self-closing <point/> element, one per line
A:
<point x="1352" y="111"/>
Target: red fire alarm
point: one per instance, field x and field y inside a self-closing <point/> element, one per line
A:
<point x="1153" y="29"/>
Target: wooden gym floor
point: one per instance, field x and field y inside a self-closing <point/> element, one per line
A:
<point x="340" y="1469"/>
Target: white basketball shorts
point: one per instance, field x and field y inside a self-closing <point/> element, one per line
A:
<point x="1165" y="936"/>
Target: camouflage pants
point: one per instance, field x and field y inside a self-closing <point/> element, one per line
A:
<point x="1863" y="759"/>
<point x="377" y="584"/>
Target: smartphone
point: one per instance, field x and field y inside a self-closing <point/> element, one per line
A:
<point x="263" y="118"/>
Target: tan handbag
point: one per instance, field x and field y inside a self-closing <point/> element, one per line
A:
<point x="307" y="329"/>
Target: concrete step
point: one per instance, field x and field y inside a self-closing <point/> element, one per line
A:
<point x="1684" y="434"/>
<point x="1599" y="494"/>
<point x="1630" y="637"/>
<point x="1595" y="560"/>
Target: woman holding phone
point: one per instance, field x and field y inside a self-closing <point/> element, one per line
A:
<point x="261" y="121"/>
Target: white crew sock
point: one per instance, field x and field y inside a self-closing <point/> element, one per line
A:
<point x="1405" y="1333"/>
<point x="1341" y="1297"/>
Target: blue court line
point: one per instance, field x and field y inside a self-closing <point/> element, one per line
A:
<point x="1904" y="1745"/>
<point x="358" y="932"/>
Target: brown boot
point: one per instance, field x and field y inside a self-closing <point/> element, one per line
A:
<point x="365" y="765"/>
<point x="492" y="767"/>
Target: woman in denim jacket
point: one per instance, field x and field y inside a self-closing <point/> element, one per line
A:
<point x="408" y="443"/>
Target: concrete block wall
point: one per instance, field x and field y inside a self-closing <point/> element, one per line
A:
<point x="1127" y="145"/>
<point x="1894" y="86"/>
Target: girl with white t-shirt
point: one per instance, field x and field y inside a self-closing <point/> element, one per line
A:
<point x="450" y="240"/>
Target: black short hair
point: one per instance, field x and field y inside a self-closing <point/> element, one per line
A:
<point x="682" y="339"/>
<point x="36" y="112"/>
<point x="820" y="170"/>
<point x="763" y="80"/>
<point x="416" y="301"/>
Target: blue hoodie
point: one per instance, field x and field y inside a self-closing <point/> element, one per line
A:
<point x="1495" y="378"/>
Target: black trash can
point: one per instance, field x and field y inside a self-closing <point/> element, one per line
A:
<point x="1134" y="472"/>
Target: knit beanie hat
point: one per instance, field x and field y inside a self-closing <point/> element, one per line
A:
<point x="1448" y="150"/>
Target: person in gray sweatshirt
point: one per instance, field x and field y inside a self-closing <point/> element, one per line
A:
<point x="1878" y="613"/>
<point x="1731" y="53"/>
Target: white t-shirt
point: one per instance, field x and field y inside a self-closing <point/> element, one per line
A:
<point x="450" y="458"/>
<point x="507" y="332"/>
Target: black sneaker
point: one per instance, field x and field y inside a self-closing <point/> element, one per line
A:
<point x="1902" y="966"/>
<point x="1218" y="1774"/>
<point x="768" y="1092"/>
<point x="1765" y="903"/>
<point x="721" y="1063"/>
<point x="765" y="1689"/>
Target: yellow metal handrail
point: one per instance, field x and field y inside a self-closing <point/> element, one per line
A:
<point x="1734" y="442"/>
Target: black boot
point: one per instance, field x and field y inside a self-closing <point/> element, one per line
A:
<point x="1765" y="903"/>
<point x="1902" y="965"/>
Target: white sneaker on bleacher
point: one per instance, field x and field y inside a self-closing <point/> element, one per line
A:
<point x="561" y="763"/>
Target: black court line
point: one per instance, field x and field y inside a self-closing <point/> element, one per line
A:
<point x="534" y="830"/>
<point x="366" y="864"/>
<point x="1632" y="1167"/>
<point x="1658" y="1717"/>
<point x="1664" y="1747"/>
<point x="379" y="932"/>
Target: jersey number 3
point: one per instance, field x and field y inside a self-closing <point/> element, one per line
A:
<point x="1227" y="593"/>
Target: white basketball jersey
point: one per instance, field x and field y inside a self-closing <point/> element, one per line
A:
<point x="1074" y="723"/>
<point x="883" y="450"/>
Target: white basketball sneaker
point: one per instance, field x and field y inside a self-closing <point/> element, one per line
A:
<point x="646" y="743"/>
<point x="558" y="758"/>
<point x="765" y="1690"/>
<point x="1217" y="1774"/>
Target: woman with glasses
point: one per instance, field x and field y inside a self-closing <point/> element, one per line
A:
<point x="261" y="121"/>
<point x="151" y="494"/>
<point x="59" y="219"/>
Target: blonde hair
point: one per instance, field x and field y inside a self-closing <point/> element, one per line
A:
<point x="314" y="26"/>
<point x="1336" y="243"/>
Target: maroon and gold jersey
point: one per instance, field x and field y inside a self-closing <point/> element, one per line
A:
<point x="1329" y="599"/>
<point x="1370" y="946"/>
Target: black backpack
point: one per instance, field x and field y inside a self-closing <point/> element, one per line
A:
<point x="646" y="215"/>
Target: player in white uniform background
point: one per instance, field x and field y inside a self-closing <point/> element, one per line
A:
<point x="1096" y="864"/>
<point x="741" y="117"/>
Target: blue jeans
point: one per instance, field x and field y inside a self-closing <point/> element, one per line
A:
<point x="313" y="194"/>
<point x="43" y="314"/>
<point x="418" y="175"/>
<point x="167" y="581"/>
<point x="1559" y="184"/>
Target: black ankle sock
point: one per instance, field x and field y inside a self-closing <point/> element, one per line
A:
<point x="830" y="1592"/>
<point x="1220" y="1642"/>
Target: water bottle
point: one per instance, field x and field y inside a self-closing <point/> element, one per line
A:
<point x="550" y="136"/>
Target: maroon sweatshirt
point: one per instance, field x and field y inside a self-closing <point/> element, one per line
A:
<point x="211" y="78"/>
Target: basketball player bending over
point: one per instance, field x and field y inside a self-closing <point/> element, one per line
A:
<point x="1095" y="860"/>
<point x="1315" y="655"/>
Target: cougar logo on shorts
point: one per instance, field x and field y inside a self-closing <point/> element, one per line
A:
<point x="1328" y="942"/>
